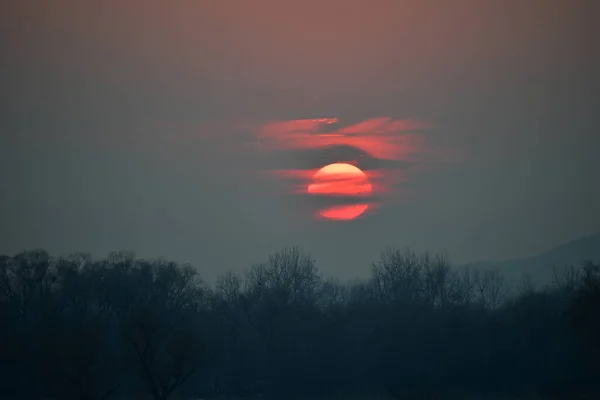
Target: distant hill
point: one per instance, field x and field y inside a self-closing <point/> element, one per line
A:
<point x="541" y="267"/>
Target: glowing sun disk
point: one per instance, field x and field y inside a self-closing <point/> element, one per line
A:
<point x="340" y="179"/>
<point x="344" y="212"/>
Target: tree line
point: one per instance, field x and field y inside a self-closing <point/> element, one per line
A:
<point x="122" y="327"/>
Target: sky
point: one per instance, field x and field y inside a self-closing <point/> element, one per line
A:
<point x="137" y="126"/>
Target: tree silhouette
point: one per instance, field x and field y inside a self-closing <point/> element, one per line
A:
<point x="584" y="312"/>
<point x="157" y="320"/>
<point x="417" y="327"/>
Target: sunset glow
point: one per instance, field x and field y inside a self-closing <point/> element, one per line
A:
<point x="383" y="137"/>
<point x="340" y="179"/>
<point x="344" y="212"/>
<point x="369" y="159"/>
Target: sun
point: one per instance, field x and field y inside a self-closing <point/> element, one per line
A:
<point x="344" y="212"/>
<point x="341" y="180"/>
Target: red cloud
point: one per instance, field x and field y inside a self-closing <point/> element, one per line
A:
<point x="383" y="138"/>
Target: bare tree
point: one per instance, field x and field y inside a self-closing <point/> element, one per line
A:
<point x="567" y="279"/>
<point x="256" y="281"/>
<point x="25" y="281"/>
<point x="288" y="279"/>
<point x="408" y="277"/>
<point x="229" y="287"/>
<point x="27" y="308"/>
<point x="288" y="276"/>
<point x="84" y="355"/>
<point x="584" y="311"/>
<point x="158" y="321"/>
<point x="492" y="288"/>
<point x="333" y="294"/>
<point x="397" y="277"/>
<point x="527" y="284"/>
<point x="292" y="275"/>
<point x="437" y="280"/>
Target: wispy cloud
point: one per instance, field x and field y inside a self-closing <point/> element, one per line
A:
<point x="387" y="150"/>
<point x="384" y="138"/>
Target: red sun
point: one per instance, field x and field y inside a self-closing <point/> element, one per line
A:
<point x="341" y="180"/>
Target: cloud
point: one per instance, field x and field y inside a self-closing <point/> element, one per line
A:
<point x="388" y="150"/>
<point x="383" y="138"/>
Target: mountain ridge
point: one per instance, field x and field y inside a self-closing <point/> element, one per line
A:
<point x="541" y="267"/>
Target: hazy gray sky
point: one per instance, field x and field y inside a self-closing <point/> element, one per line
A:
<point x="124" y="124"/>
